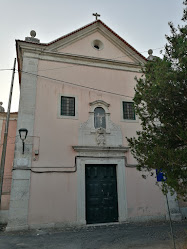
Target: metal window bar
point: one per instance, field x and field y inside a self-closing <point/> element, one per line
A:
<point x="67" y="106"/>
<point x="128" y="110"/>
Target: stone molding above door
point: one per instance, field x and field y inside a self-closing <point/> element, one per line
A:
<point x="96" y="151"/>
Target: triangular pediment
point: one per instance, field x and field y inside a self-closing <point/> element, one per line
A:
<point x="98" y="41"/>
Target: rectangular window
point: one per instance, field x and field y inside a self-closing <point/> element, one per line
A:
<point x="128" y="111"/>
<point x="67" y="106"/>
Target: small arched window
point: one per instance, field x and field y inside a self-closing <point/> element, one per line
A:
<point x="99" y="118"/>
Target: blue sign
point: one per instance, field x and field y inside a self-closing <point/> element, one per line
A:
<point x="160" y="176"/>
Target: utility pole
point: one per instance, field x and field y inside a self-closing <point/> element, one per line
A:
<point x="170" y="222"/>
<point x="160" y="178"/>
<point x="3" y="156"/>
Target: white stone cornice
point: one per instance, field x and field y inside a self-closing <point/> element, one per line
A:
<point x="82" y="60"/>
<point x="100" y="149"/>
<point x="41" y="54"/>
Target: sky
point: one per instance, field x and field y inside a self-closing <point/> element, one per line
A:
<point x="142" y="23"/>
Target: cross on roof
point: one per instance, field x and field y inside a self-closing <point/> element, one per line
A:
<point x="96" y="15"/>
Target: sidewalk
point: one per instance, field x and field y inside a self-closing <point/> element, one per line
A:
<point x="118" y="236"/>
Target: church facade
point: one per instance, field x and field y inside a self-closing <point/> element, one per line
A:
<point x="76" y="102"/>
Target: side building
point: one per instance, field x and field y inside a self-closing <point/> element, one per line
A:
<point x="8" y="162"/>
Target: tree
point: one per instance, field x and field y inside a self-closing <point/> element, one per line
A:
<point x="160" y="101"/>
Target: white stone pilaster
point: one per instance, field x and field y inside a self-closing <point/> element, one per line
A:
<point x="20" y="190"/>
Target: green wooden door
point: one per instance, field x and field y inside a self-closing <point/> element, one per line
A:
<point x="101" y="194"/>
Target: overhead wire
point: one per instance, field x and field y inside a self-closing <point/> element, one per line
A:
<point x="75" y="84"/>
<point x="9" y="69"/>
<point x="50" y="69"/>
<point x="5" y="69"/>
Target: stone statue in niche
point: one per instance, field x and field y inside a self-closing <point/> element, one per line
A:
<point x="99" y="130"/>
<point x="101" y="136"/>
<point x="99" y="118"/>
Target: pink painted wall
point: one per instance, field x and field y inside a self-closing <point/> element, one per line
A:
<point x="143" y="197"/>
<point x="53" y="196"/>
<point x="9" y="157"/>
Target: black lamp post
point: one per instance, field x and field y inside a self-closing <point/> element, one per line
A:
<point x="23" y="134"/>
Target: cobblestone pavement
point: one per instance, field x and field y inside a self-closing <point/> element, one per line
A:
<point x="117" y="236"/>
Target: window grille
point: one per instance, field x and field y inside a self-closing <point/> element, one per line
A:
<point x="67" y="106"/>
<point x="128" y="110"/>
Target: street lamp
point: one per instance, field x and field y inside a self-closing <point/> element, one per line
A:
<point x="23" y="134"/>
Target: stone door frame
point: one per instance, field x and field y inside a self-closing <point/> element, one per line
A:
<point x="121" y="186"/>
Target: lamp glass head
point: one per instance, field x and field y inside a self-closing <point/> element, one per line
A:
<point x="23" y="133"/>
